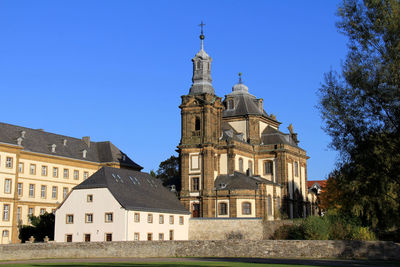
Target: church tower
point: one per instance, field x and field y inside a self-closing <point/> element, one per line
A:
<point x="201" y="114"/>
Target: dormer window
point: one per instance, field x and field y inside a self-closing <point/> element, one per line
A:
<point x="123" y="157"/>
<point x="84" y="152"/>
<point x="230" y="104"/>
<point x="53" y="148"/>
<point x="65" y="142"/>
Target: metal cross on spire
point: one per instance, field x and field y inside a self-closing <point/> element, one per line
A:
<point x="240" y="77"/>
<point x="201" y="25"/>
<point x="201" y="34"/>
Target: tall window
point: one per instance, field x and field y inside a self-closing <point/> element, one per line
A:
<point x="55" y="172"/>
<point x="223" y="208"/>
<point x="54" y="192"/>
<point x="76" y="174"/>
<point x="181" y="220"/>
<point x="21" y="167"/>
<point x="240" y="164"/>
<point x="42" y="211"/>
<point x="269" y="204"/>
<point x="171" y="234"/>
<point x="31" y="190"/>
<point x="171" y="219"/>
<point x="137" y="217"/>
<point x="197" y="124"/>
<point x="278" y="203"/>
<point x="32" y="169"/>
<point x="18" y="215"/>
<point x="85" y="175"/>
<point x="19" y="189"/>
<point x="6" y="233"/>
<point x="150" y="218"/>
<point x="161" y="219"/>
<point x="65" y="192"/>
<point x="296" y="169"/>
<point x="268" y="167"/>
<point x="44" y="170"/>
<point x="246" y="208"/>
<point x="160" y="236"/>
<point x="7" y="186"/>
<point x="43" y="191"/>
<point x="6" y="212"/>
<point x="195" y="184"/>
<point x="136" y="237"/>
<point x="250" y="168"/>
<point x="9" y="162"/>
<point x="66" y="173"/>
<point x="30" y="214"/>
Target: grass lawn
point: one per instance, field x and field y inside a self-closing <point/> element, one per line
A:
<point x="157" y="264"/>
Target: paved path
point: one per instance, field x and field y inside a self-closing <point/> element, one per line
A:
<point x="312" y="262"/>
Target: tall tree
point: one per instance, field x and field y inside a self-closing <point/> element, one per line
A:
<point x="361" y="111"/>
<point x="169" y="172"/>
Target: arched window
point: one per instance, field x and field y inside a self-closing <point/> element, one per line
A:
<point x="197" y="124"/>
<point x="198" y="64"/>
<point x="269" y="204"/>
<point x="240" y="164"/>
<point x="208" y="66"/>
<point x="223" y="208"/>
<point x="246" y="208"/>
<point x="250" y="168"/>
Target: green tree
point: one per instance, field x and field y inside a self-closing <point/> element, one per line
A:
<point x="169" y="172"/>
<point x="41" y="226"/>
<point x="361" y="111"/>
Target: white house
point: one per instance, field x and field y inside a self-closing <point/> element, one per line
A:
<point x="120" y="205"/>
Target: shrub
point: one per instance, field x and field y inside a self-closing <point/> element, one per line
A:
<point x="362" y="233"/>
<point x="316" y="228"/>
<point x="289" y="232"/>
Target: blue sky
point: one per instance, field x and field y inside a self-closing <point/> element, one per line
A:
<point x="115" y="69"/>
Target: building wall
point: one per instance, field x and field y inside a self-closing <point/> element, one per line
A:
<point x="240" y="127"/>
<point x="21" y="204"/>
<point x="123" y="227"/>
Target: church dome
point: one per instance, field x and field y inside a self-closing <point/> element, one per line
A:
<point x="240" y="88"/>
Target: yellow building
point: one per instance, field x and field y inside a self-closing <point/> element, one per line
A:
<point x="38" y="169"/>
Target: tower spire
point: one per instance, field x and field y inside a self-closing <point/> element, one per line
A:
<point x="201" y="70"/>
<point x="202" y="34"/>
<point x="240" y="77"/>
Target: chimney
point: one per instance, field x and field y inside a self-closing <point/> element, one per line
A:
<point x="86" y="139"/>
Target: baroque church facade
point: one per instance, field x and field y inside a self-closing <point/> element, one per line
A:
<point x="234" y="160"/>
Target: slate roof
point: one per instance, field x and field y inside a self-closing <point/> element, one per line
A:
<point x="271" y="136"/>
<point x="239" y="181"/>
<point x="40" y="141"/>
<point x="135" y="190"/>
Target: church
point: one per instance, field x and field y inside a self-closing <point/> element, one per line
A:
<point x="235" y="162"/>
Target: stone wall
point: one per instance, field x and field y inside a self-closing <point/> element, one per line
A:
<point x="221" y="248"/>
<point x="226" y="228"/>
